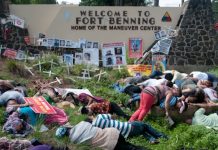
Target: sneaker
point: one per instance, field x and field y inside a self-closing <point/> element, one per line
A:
<point x="154" y="141"/>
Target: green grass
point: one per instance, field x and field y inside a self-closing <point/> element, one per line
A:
<point x="181" y="137"/>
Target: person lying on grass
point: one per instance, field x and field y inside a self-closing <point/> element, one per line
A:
<point x="209" y="121"/>
<point x="106" y="139"/>
<point x="150" y="96"/>
<point x="103" y="108"/>
<point x="127" y="129"/>
<point x="87" y="99"/>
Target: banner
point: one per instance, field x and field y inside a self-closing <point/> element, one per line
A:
<point x="62" y="43"/>
<point x="158" y="63"/>
<point x="68" y="59"/>
<point x="135" y="47"/>
<point x="162" y="46"/>
<point x="40" y="105"/>
<point x="165" y="45"/>
<point x="10" y="53"/>
<point x="78" y="58"/>
<point x="113" y="54"/>
<point x="91" y="56"/>
<point x="162" y="34"/>
<point x="20" y="55"/>
<point x="17" y="21"/>
<point x="139" y="70"/>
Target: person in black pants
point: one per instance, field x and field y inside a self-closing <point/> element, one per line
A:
<point x="104" y="108"/>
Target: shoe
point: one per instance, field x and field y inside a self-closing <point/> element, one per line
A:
<point x="154" y="141"/>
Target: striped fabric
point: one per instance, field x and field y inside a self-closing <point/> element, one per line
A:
<point x="105" y="121"/>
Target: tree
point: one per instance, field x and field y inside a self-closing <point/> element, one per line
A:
<point x="215" y="9"/>
<point x="33" y="1"/>
<point x="115" y="2"/>
<point x="156" y="3"/>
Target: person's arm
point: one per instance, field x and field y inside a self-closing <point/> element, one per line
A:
<point x="90" y="100"/>
<point x="182" y="98"/>
<point x="167" y="103"/>
<point x="21" y="105"/>
<point x="204" y="105"/>
<point x="200" y="84"/>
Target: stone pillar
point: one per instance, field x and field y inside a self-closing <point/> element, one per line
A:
<point x="195" y="43"/>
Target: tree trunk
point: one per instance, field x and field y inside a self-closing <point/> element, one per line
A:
<point x="156" y="3"/>
<point x="182" y="1"/>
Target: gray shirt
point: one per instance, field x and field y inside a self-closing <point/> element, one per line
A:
<point x="9" y="95"/>
<point x="82" y="132"/>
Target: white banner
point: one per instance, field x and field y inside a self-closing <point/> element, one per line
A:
<point x="17" y="21"/>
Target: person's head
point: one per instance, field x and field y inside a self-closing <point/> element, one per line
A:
<point x="169" y="84"/>
<point x="169" y="76"/>
<point x="84" y="110"/>
<point x="176" y="91"/>
<point x="182" y="106"/>
<point x="87" y="56"/>
<point x="199" y="94"/>
<point x="207" y="83"/>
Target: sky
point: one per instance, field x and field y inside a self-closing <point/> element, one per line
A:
<point x="163" y="3"/>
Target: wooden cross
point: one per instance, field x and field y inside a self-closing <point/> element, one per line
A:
<point x="68" y="68"/>
<point x="56" y="81"/>
<point x="29" y="70"/>
<point x="52" y="63"/>
<point x="40" y="65"/>
<point x="86" y="75"/>
<point x="119" y="68"/>
<point x="49" y="73"/>
<point x="100" y="74"/>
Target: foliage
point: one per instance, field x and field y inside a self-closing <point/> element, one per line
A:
<point x="34" y="1"/>
<point x="215" y="8"/>
<point x="115" y="2"/>
<point x="182" y="136"/>
<point x="17" y="69"/>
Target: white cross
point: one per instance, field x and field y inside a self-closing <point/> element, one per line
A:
<point x="57" y="80"/>
<point x="29" y="69"/>
<point x="119" y="68"/>
<point x="40" y="65"/>
<point x="68" y="68"/>
<point x="100" y="74"/>
<point x="52" y="63"/>
<point x="85" y="73"/>
<point x="49" y="73"/>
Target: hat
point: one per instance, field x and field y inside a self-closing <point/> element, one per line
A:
<point x="183" y="107"/>
<point x="61" y="131"/>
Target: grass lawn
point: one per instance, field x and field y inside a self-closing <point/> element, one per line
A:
<point x="180" y="137"/>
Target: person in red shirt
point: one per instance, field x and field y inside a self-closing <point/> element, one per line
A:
<point x="104" y="108"/>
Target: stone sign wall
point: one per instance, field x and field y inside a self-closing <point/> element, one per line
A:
<point x="196" y="43"/>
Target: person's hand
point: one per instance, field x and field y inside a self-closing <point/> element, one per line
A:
<point x="130" y="100"/>
<point x="167" y="114"/>
<point x="27" y="104"/>
<point x="191" y="104"/>
<point x="114" y="117"/>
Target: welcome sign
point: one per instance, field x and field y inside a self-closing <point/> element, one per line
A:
<point x="101" y="23"/>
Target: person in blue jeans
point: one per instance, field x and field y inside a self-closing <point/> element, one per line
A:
<point x="132" y="90"/>
<point x="127" y="129"/>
